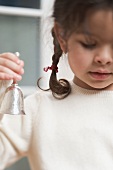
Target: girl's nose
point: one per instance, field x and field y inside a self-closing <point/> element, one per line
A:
<point x="104" y="57"/>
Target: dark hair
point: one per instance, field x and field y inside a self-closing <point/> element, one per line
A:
<point x="69" y="14"/>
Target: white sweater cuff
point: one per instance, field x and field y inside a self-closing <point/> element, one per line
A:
<point x="3" y="85"/>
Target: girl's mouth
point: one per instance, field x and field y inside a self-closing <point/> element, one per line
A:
<point x="100" y="76"/>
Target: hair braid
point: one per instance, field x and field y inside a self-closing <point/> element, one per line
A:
<point x="60" y="88"/>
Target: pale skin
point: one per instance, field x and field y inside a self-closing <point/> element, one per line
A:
<point x="11" y="67"/>
<point x="90" y="51"/>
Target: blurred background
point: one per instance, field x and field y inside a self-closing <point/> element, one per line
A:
<point x="25" y="26"/>
<point x="21" y="29"/>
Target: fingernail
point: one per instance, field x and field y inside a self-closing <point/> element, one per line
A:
<point x="18" y="77"/>
<point x="19" y="61"/>
<point x="22" y="71"/>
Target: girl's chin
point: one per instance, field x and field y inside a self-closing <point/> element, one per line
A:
<point x="94" y="85"/>
<point x="99" y="87"/>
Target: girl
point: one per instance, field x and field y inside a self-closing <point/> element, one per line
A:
<point x="75" y="132"/>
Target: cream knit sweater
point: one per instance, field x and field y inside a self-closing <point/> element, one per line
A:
<point x="75" y="133"/>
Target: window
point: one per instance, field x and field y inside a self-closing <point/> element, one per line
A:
<point x="20" y="31"/>
<point x="22" y="34"/>
<point x="21" y="3"/>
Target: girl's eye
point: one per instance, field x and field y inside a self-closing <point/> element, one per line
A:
<point x="88" y="46"/>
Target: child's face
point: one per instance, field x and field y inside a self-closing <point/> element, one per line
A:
<point x="90" y="51"/>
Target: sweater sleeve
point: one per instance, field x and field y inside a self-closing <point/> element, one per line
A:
<point x="15" y="133"/>
<point x="3" y="85"/>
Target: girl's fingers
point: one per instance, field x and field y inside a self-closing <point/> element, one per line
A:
<point x="11" y="67"/>
<point x="6" y="72"/>
<point x="5" y="76"/>
<point x="18" y="68"/>
<point x="11" y="57"/>
<point x="21" y="63"/>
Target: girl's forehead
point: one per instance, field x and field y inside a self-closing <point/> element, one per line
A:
<point x="98" y="23"/>
<point x="99" y="18"/>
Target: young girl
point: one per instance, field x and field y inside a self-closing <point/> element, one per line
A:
<point x="75" y="132"/>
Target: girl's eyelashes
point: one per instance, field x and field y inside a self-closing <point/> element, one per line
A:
<point x="88" y="45"/>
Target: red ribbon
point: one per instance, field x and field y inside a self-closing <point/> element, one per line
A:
<point x="51" y="68"/>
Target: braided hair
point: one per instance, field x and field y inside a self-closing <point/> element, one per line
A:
<point x="70" y="15"/>
<point x="60" y="88"/>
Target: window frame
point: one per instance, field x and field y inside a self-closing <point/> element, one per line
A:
<point x="23" y="12"/>
<point x="42" y="13"/>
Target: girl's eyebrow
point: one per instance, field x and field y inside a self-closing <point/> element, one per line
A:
<point x="85" y="32"/>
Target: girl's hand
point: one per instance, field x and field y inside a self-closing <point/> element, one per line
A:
<point x="11" y="67"/>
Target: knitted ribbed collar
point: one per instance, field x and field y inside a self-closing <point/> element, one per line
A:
<point x="79" y="89"/>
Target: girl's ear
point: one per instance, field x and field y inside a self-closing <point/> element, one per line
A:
<point x="60" y="36"/>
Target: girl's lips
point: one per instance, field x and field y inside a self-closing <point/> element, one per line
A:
<point x="100" y="76"/>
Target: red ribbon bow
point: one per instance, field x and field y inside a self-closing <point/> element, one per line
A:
<point x="51" y="68"/>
